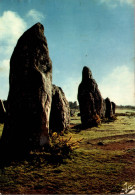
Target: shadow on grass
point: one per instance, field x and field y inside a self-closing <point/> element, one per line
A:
<point x="35" y="158"/>
<point x="126" y="114"/>
<point x="78" y="128"/>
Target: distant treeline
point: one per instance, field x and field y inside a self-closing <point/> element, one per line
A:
<point x="73" y="105"/>
<point x="128" y="107"/>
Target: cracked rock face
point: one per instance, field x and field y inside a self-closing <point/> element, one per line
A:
<point x="60" y="112"/>
<point x="89" y="97"/>
<point x="30" y="93"/>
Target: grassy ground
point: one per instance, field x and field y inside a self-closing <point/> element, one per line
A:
<point x="1" y="128"/>
<point x="103" y="163"/>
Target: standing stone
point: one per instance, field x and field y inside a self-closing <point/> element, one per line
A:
<point x="103" y="110"/>
<point x="108" y="113"/>
<point x="90" y="99"/>
<point x="72" y="112"/>
<point x="2" y="112"/>
<point x="113" y="108"/>
<point x="30" y="93"/>
<point x="60" y="112"/>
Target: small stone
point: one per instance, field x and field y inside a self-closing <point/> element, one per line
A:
<point x="100" y="143"/>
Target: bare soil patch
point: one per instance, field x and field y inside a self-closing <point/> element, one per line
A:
<point x="122" y="145"/>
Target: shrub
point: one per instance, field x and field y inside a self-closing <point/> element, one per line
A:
<point x="62" y="147"/>
<point x="96" y="120"/>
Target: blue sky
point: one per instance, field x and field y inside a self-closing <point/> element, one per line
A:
<point x="94" y="33"/>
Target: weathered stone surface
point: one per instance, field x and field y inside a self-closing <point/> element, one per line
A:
<point x="2" y="112"/>
<point x="60" y="112"/>
<point x="108" y="113"/>
<point x="30" y="93"/>
<point x="90" y="99"/>
<point x="113" y="108"/>
<point x="103" y="110"/>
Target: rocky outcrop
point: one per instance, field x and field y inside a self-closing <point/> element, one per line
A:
<point x="60" y="112"/>
<point x="108" y="113"/>
<point x="30" y="93"/>
<point x="90" y="99"/>
<point x="2" y="112"/>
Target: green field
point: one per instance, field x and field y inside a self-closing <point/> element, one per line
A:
<point x="103" y="162"/>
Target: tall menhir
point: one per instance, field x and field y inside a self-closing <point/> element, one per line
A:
<point x="90" y="99"/>
<point x="30" y="93"/>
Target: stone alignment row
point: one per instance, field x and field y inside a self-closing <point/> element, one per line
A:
<point x="92" y="105"/>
